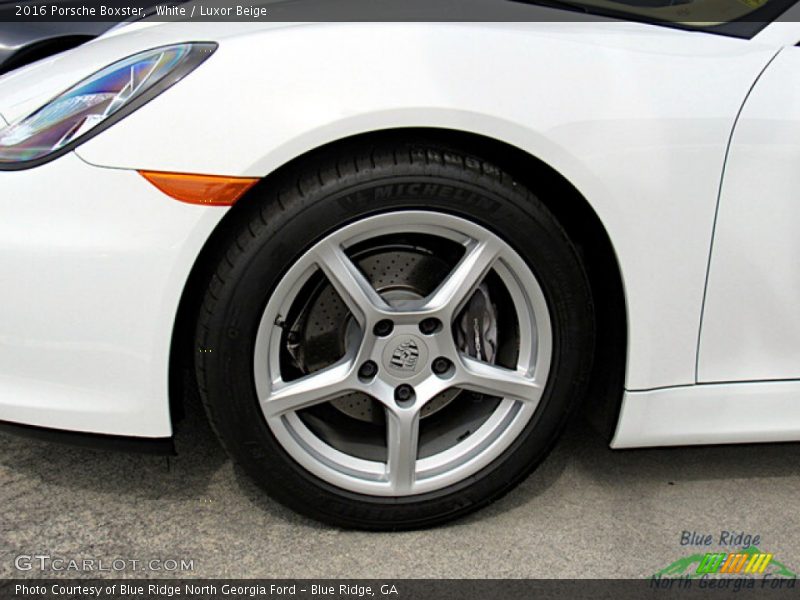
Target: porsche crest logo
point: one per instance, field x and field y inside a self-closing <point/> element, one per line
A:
<point x="405" y="356"/>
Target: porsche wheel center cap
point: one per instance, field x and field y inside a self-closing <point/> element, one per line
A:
<point x="405" y="356"/>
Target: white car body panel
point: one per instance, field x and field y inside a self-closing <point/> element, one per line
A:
<point x="750" y="326"/>
<point x="95" y="261"/>
<point x="637" y="117"/>
<point x="710" y="414"/>
<point x="612" y="121"/>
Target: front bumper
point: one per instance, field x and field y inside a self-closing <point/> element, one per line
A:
<point x="93" y="264"/>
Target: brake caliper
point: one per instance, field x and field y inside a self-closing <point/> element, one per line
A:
<point x="476" y="330"/>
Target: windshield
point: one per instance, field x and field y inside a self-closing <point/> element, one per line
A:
<point x="700" y="13"/>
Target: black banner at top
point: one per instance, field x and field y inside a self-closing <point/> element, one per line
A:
<point x="677" y="12"/>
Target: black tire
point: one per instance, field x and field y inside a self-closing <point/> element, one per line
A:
<point x="320" y="194"/>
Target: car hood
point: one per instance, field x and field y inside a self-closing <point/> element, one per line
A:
<point x="26" y="89"/>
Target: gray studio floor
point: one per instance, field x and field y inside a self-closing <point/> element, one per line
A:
<point x="587" y="512"/>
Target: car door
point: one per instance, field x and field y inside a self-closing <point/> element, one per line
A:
<point x="750" y="329"/>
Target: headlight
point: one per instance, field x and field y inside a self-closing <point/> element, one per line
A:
<point x="96" y="103"/>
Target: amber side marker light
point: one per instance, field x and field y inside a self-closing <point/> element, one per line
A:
<point x="211" y="190"/>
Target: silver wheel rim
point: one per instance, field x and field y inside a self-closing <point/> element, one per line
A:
<point x="403" y="473"/>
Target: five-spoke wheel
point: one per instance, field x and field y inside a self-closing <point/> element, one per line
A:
<point x="392" y="337"/>
<point x="401" y="349"/>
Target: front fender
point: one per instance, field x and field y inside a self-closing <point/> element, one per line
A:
<point x="636" y="117"/>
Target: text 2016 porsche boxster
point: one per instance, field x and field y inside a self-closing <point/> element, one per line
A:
<point x="393" y="258"/>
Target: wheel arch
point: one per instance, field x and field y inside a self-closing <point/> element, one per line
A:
<point x="604" y="398"/>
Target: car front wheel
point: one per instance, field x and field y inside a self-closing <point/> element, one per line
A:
<point x="393" y="338"/>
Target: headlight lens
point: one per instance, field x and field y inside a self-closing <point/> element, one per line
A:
<point x="97" y="102"/>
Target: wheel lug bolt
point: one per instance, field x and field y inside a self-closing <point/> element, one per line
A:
<point x="429" y="326"/>
<point x="404" y="394"/>
<point x="368" y="370"/>
<point x="383" y="328"/>
<point x="440" y="365"/>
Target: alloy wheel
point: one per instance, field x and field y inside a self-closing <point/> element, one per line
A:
<point x="418" y="379"/>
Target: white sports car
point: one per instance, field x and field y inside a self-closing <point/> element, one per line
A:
<point x="394" y="257"/>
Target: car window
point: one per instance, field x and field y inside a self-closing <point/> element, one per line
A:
<point x="687" y="12"/>
<point x="737" y="18"/>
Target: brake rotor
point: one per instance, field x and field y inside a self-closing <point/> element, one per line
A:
<point x="318" y="336"/>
